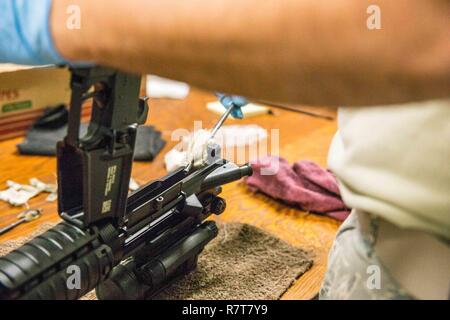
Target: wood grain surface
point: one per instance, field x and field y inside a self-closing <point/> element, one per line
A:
<point x="300" y="137"/>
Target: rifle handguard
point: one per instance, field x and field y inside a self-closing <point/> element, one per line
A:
<point x="50" y="257"/>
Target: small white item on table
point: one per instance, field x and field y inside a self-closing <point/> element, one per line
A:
<point x="158" y="88"/>
<point x="19" y="194"/>
<point x="250" y="110"/>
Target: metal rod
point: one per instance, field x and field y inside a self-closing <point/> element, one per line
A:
<point x="221" y="121"/>
<point x="294" y="109"/>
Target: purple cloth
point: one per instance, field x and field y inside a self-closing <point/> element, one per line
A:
<point x="305" y="185"/>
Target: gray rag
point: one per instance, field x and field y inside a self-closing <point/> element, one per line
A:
<point x="51" y="127"/>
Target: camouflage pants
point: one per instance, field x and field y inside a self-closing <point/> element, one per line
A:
<point x="354" y="271"/>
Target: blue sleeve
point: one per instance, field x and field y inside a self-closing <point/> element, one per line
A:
<point x="25" y="36"/>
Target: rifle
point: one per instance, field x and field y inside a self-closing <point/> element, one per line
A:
<point x="126" y="246"/>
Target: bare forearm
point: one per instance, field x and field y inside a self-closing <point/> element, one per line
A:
<point x="312" y="52"/>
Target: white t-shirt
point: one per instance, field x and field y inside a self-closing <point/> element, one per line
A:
<point x="394" y="161"/>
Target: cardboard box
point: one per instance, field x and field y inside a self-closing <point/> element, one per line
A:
<point x="26" y="88"/>
<point x="25" y="91"/>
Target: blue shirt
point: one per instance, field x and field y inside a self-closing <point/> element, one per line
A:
<point x="25" y="36"/>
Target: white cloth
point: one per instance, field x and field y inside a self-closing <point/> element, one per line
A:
<point x="158" y="87"/>
<point x="394" y="161"/>
<point x="240" y="135"/>
<point x="193" y="149"/>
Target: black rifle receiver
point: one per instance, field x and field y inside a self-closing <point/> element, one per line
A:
<point x="127" y="246"/>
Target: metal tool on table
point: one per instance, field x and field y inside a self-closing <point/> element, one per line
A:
<point x="24" y="217"/>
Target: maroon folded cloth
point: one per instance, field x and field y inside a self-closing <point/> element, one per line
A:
<point x="305" y="185"/>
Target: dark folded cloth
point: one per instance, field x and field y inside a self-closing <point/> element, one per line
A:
<point x="305" y="184"/>
<point x="41" y="139"/>
<point x="148" y="143"/>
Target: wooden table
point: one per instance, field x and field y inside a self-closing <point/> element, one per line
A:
<point x="300" y="136"/>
